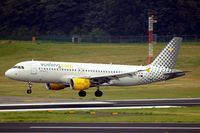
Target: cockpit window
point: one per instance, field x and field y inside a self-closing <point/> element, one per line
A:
<point x="19" y="67"/>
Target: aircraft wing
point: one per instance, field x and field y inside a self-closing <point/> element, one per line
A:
<point x="106" y="78"/>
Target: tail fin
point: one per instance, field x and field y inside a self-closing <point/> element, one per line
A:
<point x="167" y="58"/>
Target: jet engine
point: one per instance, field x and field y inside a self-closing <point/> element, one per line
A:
<point x="80" y="83"/>
<point x="55" y="86"/>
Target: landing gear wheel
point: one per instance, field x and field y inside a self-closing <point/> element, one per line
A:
<point x="98" y="93"/>
<point x="82" y="93"/>
<point x="29" y="91"/>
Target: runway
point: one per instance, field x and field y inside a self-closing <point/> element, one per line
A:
<point x="100" y="127"/>
<point x="111" y="104"/>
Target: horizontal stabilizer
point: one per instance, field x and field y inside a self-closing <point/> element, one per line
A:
<point x="175" y="74"/>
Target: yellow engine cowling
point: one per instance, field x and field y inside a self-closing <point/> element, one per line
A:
<point x="55" y="86"/>
<point x="80" y="83"/>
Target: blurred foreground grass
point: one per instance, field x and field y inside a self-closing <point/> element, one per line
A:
<point x="164" y="115"/>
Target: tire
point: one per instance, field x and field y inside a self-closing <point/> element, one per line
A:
<point x="29" y="91"/>
<point x="98" y="93"/>
<point x="82" y="93"/>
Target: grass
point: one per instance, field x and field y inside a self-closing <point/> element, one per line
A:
<point x="12" y="52"/>
<point x="171" y="115"/>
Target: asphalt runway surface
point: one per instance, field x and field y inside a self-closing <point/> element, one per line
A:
<point x="100" y="127"/>
<point x="147" y="103"/>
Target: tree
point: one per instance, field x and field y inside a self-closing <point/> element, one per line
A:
<point x="111" y="17"/>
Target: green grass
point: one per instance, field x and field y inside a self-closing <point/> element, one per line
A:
<point x="12" y="52"/>
<point x="171" y="115"/>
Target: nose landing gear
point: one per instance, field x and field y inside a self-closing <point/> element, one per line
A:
<point x="29" y="90"/>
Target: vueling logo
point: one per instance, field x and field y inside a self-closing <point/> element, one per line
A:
<point x="50" y="65"/>
<point x="56" y="65"/>
<point x="67" y="65"/>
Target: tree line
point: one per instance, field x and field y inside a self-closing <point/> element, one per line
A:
<point x="98" y="17"/>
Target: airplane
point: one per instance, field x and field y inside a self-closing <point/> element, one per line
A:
<point x="82" y="76"/>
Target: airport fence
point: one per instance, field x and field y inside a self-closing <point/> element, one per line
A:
<point x="104" y="39"/>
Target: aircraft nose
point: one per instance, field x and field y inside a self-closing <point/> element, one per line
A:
<point x="8" y="73"/>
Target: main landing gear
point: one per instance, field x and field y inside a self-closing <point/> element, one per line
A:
<point x="29" y="90"/>
<point x="82" y="93"/>
<point x="97" y="93"/>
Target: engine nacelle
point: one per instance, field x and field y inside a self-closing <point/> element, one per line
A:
<point x="55" y="86"/>
<point x="80" y="83"/>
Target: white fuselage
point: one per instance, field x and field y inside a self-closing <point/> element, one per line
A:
<point x="82" y="76"/>
<point x="62" y="72"/>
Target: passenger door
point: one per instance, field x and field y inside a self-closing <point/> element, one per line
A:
<point x="33" y="68"/>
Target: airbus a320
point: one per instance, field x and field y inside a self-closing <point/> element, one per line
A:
<point x="82" y="76"/>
